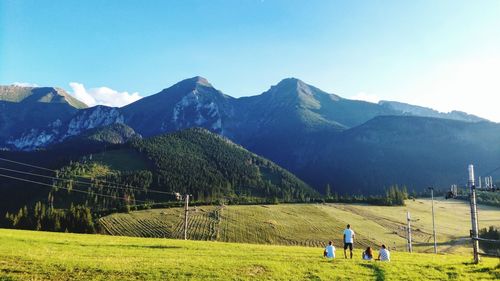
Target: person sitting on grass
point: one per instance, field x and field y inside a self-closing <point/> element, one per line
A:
<point x="368" y="254"/>
<point x="384" y="254"/>
<point x="330" y="251"/>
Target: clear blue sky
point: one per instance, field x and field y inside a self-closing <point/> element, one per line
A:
<point x="424" y="52"/>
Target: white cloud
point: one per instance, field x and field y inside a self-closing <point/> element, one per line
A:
<point x="25" y="84"/>
<point x="102" y="95"/>
<point x="471" y="85"/>
<point x="366" y="97"/>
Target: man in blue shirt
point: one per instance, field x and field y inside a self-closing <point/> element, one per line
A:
<point x="348" y="240"/>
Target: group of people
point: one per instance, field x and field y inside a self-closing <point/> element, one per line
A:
<point x="383" y="254"/>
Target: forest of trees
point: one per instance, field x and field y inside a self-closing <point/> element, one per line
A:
<point x="104" y="189"/>
<point x="394" y="196"/>
<point x="77" y="219"/>
<point x="212" y="168"/>
<point x="484" y="197"/>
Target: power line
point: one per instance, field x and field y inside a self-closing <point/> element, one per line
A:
<point x="75" y="190"/>
<point x="29" y="165"/>
<point x="82" y="177"/>
<point x="492" y="171"/>
<point x="87" y="183"/>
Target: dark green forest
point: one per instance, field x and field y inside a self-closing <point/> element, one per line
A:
<point x="211" y="167"/>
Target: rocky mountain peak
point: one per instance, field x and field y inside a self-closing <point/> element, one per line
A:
<point x="291" y="89"/>
<point x="194" y="82"/>
<point x="31" y="95"/>
<point x="290" y="82"/>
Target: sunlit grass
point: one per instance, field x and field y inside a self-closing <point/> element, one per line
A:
<point x="26" y="255"/>
<point x="311" y="224"/>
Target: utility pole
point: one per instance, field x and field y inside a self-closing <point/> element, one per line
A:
<point x="473" y="214"/>
<point x="433" y="224"/>
<point x="408" y="227"/>
<point x="186" y="212"/>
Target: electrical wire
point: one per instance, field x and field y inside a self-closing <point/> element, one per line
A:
<point x="490" y="172"/>
<point x="72" y="189"/>
<point x="86" y="183"/>
<point x="25" y="164"/>
<point x="114" y="185"/>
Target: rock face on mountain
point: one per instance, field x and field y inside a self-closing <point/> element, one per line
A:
<point x="29" y="117"/>
<point x="32" y="118"/>
<point x="323" y="138"/>
<point x="95" y="117"/>
<point x="190" y="103"/>
<point x="57" y="131"/>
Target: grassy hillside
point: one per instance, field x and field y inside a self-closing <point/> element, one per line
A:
<point x="310" y="224"/>
<point x="26" y="255"/>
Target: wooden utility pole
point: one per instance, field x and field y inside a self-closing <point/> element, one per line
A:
<point x="408" y="227"/>
<point x="473" y="214"/>
<point x="186" y="213"/>
<point x="433" y="224"/>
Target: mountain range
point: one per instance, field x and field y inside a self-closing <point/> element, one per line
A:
<point x="353" y="146"/>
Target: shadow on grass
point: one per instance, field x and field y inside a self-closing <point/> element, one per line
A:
<point x="477" y="268"/>
<point x="143" y="246"/>
<point x="379" y="273"/>
<point x="121" y="245"/>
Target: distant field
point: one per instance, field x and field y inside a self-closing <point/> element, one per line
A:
<point x="310" y="224"/>
<point x="28" y="255"/>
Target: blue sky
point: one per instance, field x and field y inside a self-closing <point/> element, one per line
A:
<point x="441" y="54"/>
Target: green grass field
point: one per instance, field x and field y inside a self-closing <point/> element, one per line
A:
<point x="28" y="255"/>
<point x="310" y="224"/>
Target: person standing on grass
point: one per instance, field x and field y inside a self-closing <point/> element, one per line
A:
<point x="384" y="254"/>
<point x="330" y="251"/>
<point x="348" y="240"/>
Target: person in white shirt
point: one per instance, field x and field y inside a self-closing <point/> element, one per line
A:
<point x="384" y="254"/>
<point x="330" y="251"/>
<point x="348" y="240"/>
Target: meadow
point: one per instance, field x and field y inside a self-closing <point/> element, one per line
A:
<point x="311" y="224"/>
<point x="29" y="255"/>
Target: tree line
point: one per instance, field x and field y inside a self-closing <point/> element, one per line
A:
<point x="394" y="196"/>
<point x="76" y="218"/>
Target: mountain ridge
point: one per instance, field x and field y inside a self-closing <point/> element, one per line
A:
<point x="300" y="127"/>
<point x="23" y="94"/>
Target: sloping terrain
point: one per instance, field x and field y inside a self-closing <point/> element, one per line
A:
<point x="27" y="255"/>
<point x="309" y="224"/>
<point x="151" y="171"/>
